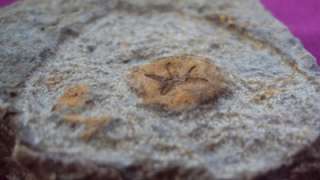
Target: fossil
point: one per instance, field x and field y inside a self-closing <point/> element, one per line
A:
<point x="73" y="97"/>
<point x="178" y="82"/>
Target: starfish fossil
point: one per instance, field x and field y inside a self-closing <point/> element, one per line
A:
<point x="168" y="83"/>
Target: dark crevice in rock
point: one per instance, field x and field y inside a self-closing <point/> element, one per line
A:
<point x="91" y="48"/>
<point x="66" y="33"/>
<point x="305" y="165"/>
<point x="148" y="171"/>
<point x="45" y="53"/>
<point x="9" y="169"/>
<point x="9" y="94"/>
<point x="7" y="130"/>
<point x="63" y="166"/>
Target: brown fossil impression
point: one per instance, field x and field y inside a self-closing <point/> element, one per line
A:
<point x="178" y="83"/>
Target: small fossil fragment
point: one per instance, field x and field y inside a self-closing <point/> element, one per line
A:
<point x="267" y="94"/>
<point x="177" y="83"/>
<point x="272" y="91"/>
<point x="93" y="124"/>
<point x="53" y="80"/>
<point x="73" y="97"/>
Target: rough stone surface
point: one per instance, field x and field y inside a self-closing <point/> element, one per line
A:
<point x="269" y="117"/>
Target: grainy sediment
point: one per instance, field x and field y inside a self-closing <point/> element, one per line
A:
<point x="267" y="122"/>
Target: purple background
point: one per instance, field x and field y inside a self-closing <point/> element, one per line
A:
<point x="303" y="19"/>
<point x="5" y="2"/>
<point x="301" y="16"/>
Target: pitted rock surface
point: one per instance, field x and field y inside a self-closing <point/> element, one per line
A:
<point x="49" y="46"/>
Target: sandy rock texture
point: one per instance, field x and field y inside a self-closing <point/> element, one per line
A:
<point x="69" y="110"/>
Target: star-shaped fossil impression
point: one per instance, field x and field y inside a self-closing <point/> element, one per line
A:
<point x="177" y="83"/>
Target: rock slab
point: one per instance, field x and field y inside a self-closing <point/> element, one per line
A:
<point x="48" y="47"/>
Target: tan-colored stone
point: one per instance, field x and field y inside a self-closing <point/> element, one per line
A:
<point x="178" y="82"/>
<point x="73" y="97"/>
